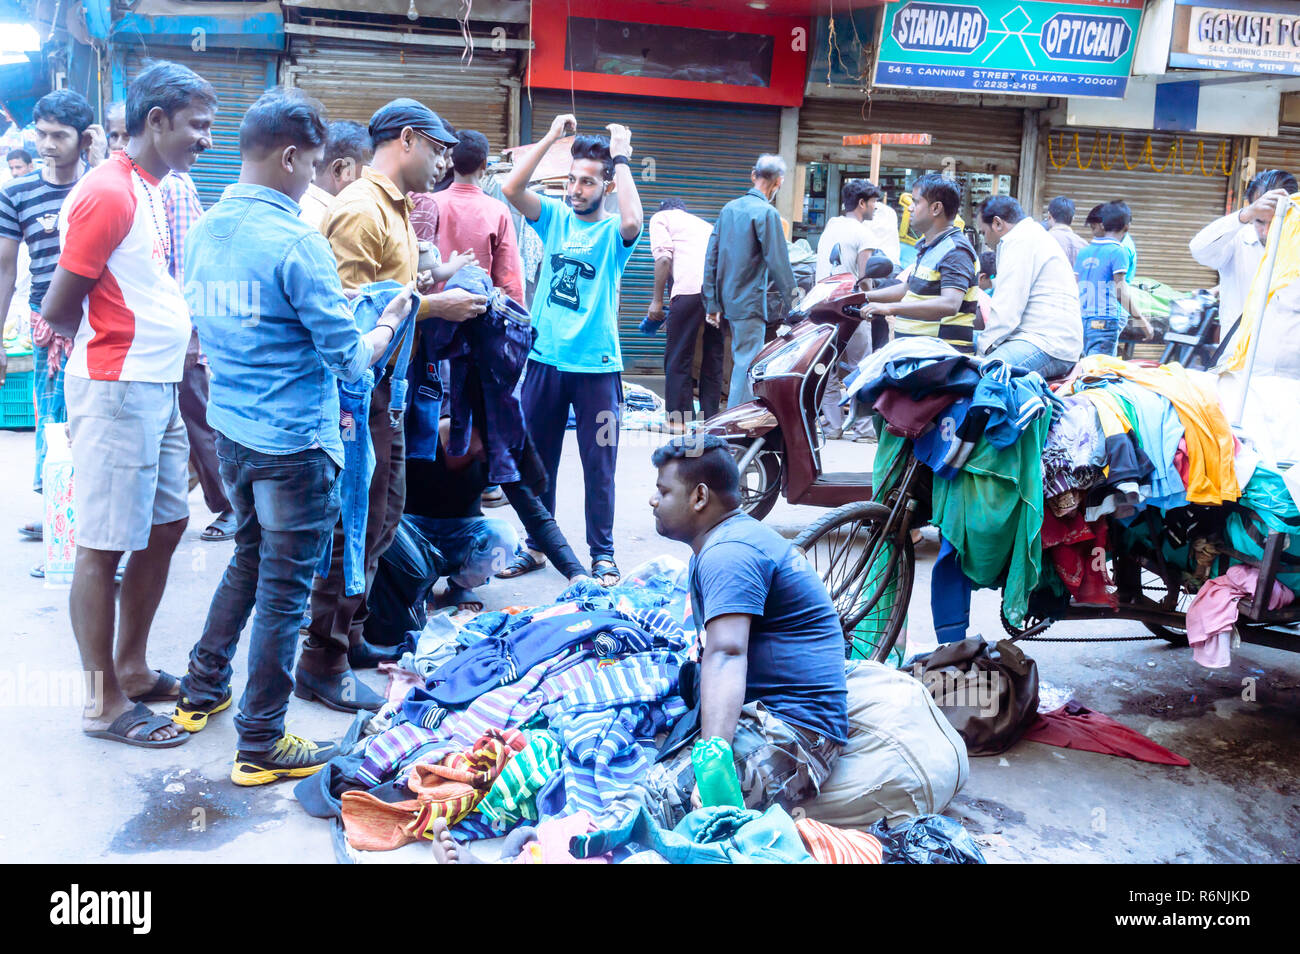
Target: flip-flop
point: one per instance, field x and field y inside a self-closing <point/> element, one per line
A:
<point x="166" y="689"/>
<point x="32" y="531"/>
<point x="524" y="562"/>
<point x="221" y="529"/>
<point x="149" y="723"/>
<point x="37" y="572"/>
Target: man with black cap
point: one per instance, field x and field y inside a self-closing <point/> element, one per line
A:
<point x="369" y="229"/>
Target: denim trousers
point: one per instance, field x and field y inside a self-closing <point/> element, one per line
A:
<point x="1020" y="353"/>
<point x="748" y="335"/>
<point x="472" y="549"/>
<point x="285" y="506"/>
<point x="1103" y="339"/>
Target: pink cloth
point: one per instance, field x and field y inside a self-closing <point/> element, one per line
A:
<point x="469" y="218"/>
<point x="552" y="844"/>
<point x="400" y="681"/>
<point x="1213" y="613"/>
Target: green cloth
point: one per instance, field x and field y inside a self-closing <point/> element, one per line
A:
<point x="513" y="796"/>
<point x="1267" y="497"/>
<point x="991" y="512"/>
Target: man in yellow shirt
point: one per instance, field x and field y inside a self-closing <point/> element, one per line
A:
<point x="369" y="230"/>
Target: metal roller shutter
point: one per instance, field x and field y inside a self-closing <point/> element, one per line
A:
<point x="354" y="78"/>
<point x="703" y="154"/>
<point x="1168" y="207"/>
<point x="983" y="139"/>
<point x="1280" y="152"/>
<point x="239" y="78"/>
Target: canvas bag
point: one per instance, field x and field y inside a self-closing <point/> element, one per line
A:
<point x="902" y="759"/>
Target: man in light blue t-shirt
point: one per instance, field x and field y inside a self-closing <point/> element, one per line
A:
<point x="575" y="362"/>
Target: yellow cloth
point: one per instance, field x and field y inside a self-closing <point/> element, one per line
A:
<point x="1211" y="448"/>
<point x="1285" y="271"/>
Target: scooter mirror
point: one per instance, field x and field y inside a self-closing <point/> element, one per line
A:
<point x="878" y="266"/>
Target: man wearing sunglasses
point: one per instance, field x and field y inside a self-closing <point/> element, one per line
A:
<point x="369" y="229"/>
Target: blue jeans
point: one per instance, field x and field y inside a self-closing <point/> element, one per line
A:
<point x="286" y="506"/>
<point x="472" y="549"/>
<point x="1101" y="340"/>
<point x="51" y="408"/>
<point x="748" y="336"/>
<point x="1020" y="353"/>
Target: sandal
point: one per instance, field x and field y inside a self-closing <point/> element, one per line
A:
<point x="524" y="562"/>
<point x="221" y="529"/>
<point x="143" y="718"/>
<point x="610" y="568"/>
<point x="32" y="531"/>
<point x="166" y="689"/>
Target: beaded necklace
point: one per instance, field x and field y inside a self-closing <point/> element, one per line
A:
<point x="160" y="226"/>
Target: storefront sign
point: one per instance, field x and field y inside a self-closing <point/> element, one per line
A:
<point x="1070" y="48"/>
<point x="1239" y="37"/>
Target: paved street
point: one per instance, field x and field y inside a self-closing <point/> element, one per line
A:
<point x="70" y="798"/>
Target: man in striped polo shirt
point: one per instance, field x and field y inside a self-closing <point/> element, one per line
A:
<point x="29" y="212"/>
<point x="937" y="298"/>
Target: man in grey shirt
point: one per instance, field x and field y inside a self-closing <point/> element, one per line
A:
<point x="747" y="251"/>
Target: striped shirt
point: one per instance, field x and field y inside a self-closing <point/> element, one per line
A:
<point x="948" y="262"/>
<point x="29" y="212"/>
<point x="183" y="207"/>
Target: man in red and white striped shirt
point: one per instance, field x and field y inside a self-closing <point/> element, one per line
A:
<point x="114" y="294"/>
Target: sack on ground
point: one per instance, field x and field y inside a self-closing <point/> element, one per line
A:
<point x="902" y="759"/>
<point x="988" y="692"/>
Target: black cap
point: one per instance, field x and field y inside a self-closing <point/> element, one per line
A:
<point x="407" y="112"/>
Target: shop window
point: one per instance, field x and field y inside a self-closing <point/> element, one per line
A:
<point x="651" y="51"/>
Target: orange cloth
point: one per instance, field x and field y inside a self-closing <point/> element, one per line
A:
<point x="1211" y="476"/>
<point x="839" y="846"/>
<point x="448" y="789"/>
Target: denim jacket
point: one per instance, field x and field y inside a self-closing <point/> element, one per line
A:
<point x="487" y="355"/>
<point x="264" y="292"/>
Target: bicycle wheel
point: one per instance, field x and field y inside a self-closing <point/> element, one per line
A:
<point x="868" y="575"/>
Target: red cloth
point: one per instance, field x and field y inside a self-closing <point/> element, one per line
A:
<point x="1078" y="551"/>
<point x="1076" y="727"/>
<point x="906" y="416"/>
<point x="469" y="218"/>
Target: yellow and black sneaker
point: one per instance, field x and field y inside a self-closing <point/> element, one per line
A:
<point x="193" y="716"/>
<point x="291" y="757"/>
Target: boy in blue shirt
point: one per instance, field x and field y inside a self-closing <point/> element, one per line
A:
<point x="1101" y="268"/>
<point x="576" y="361"/>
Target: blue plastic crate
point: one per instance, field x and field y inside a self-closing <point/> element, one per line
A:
<point x="17" y="408"/>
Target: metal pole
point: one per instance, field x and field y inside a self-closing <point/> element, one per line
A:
<point x="1257" y="322"/>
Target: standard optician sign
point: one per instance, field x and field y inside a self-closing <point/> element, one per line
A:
<point x="1069" y="48"/>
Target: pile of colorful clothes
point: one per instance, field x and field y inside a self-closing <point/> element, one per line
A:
<point x="1031" y="489"/>
<point x="544" y="720"/>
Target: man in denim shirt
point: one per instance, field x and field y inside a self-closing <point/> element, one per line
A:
<point x="266" y="297"/>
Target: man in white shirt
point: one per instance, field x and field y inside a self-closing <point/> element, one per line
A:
<point x="1234" y="244"/>
<point x="347" y="149"/>
<point x="849" y="230"/>
<point x="883" y="227"/>
<point x="853" y="234"/>
<point x="679" y="241"/>
<point x="1033" y="317"/>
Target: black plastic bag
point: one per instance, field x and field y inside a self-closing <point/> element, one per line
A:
<point x="927" y="840"/>
<point x="407" y="571"/>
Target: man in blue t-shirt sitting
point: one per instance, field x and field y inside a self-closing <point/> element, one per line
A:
<point x="1102" y="269"/>
<point x="575" y="361"/>
<point x="771" y="671"/>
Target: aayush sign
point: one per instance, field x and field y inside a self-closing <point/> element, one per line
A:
<point x="1241" y="38"/>
<point x="1071" y="48"/>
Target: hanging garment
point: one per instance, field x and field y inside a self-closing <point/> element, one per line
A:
<point x="1076" y="727"/>
<point x="1075" y="456"/>
<point x="1213" y="613"/>
<point x="949" y="596"/>
<point x="354" y="417"/>
<point x="1013" y="400"/>
<point x="907" y="416"/>
<point x="1077" y="550"/>
<point x="1211" y="477"/>
<point x="1267" y="505"/>
<point x="1159" y="432"/>
<point x="1128" y="469"/>
<point x="1286" y="271"/>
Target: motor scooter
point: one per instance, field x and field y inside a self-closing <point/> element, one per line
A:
<point x="775" y="437"/>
